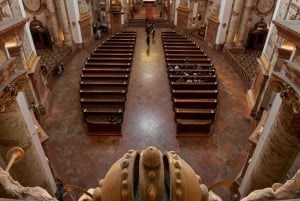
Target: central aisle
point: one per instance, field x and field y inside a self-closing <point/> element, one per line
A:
<point x="148" y="112"/>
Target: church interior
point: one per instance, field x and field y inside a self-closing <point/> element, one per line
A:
<point x="150" y="100"/>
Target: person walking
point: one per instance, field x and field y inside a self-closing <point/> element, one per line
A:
<point x="153" y="30"/>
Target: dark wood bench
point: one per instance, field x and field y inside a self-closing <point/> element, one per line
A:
<point x="186" y="51"/>
<point x="102" y="102"/>
<point x="190" y="70"/>
<point x="184" y="73"/>
<point x="133" y="37"/>
<point x="109" y="59"/>
<point x="193" y="127"/>
<point x="197" y="94"/>
<point x="164" y="34"/>
<point x="194" y="113"/>
<point x="106" y="70"/>
<point x="90" y="64"/>
<point x="204" y="103"/>
<point x="181" y="48"/>
<point x="117" y="55"/>
<point x="110" y="43"/>
<point x="116" y="47"/>
<point x="184" y="55"/>
<point x="190" y="66"/>
<point x="121" y="40"/>
<point x="192" y="78"/>
<point x="178" y="40"/>
<point x="102" y="93"/>
<point x="170" y="44"/>
<point x="85" y="84"/>
<point x="107" y="50"/>
<point x="189" y="60"/>
<point x="174" y="37"/>
<point x="127" y="33"/>
<point x="103" y="122"/>
<point x="194" y="85"/>
<point x="112" y="76"/>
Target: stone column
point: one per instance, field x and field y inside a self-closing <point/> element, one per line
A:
<point x="53" y="21"/>
<point x="244" y="22"/>
<point x="234" y="22"/>
<point x="283" y="142"/>
<point x="62" y="14"/>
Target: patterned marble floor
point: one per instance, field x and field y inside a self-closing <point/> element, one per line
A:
<point x="248" y="60"/>
<point x="82" y="160"/>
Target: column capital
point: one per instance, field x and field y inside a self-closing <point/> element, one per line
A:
<point x="289" y="92"/>
<point x="9" y="93"/>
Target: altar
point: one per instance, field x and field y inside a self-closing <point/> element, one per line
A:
<point x="152" y="2"/>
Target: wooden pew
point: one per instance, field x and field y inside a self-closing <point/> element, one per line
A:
<point x="107" y="64"/>
<point x="190" y="66"/>
<point x="86" y="84"/>
<point x="184" y="56"/>
<point x="109" y="59"/>
<point x="195" y="103"/>
<point x="120" y="40"/>
<point x="189" y="60"/>
<point x="170" y="44"/>
<point x="194" y="113"/>
<point x="181" y="48"/>
<point x="97" y="76"/>
<point x="193" y="127"/>
<point x="123" y="37"/>
<point x="104" y="121"/>
<point x="194" y="85"/>
<point x="194" y="93"/>
<point x="112" y="50"/>
<point x="193" y="78"/>
<point x="117" y="43"/>
<point x="187" y="73"/>
<point x="177" y="40"/>
<point x="102" y="93"/>
<point x="165" y="34"/>
<point x="102" y="102"/>
<point x="175" y="37"/>
<point x="126" y="33"/>
<point x="104" y="84"/>
<point x="113" y="54"/>
<point x="116" y="47"/>
<point x="186" y="51"/>
<point x="106" y="70"/>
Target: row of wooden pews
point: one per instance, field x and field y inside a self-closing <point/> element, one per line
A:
<point x="104" y="83"/>
<point x="193" y="84"/>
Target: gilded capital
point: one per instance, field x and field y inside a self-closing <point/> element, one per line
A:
<point x="289" y="92"/>
<point x="10" y="92"/>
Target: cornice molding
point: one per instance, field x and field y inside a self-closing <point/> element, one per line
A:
<point x="289" y="29"/>
<point x="11" y="28"/>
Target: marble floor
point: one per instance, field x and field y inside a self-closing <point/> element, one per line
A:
<point x="82" y="160"/>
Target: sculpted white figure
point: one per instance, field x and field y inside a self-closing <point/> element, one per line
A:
<point x="289" y="190"/>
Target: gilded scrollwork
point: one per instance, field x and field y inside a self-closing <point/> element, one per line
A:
<point x="9" y="93"/>
<point x="288" y="92"/>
